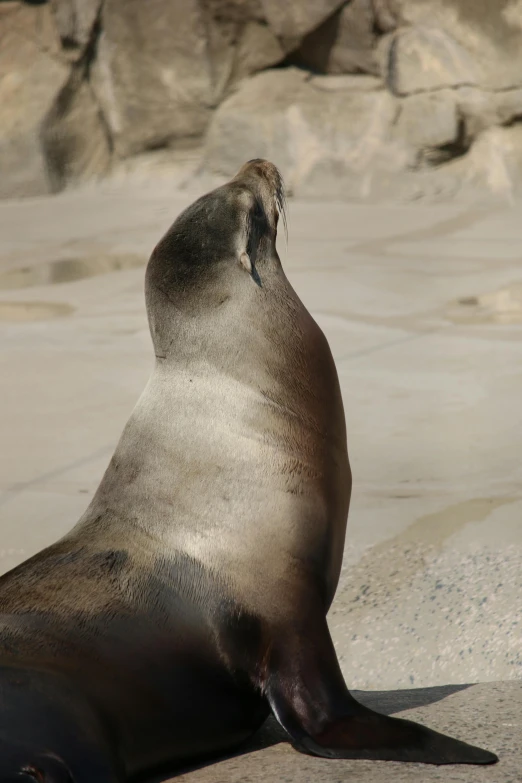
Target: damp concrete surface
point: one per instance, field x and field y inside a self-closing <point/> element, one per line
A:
<point x="422" y="306"/>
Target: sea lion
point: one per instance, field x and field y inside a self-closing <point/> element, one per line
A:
<point x="191" y="597"/>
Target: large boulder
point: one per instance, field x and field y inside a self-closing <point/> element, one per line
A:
<point x="251" y="122"/>
<point x="151" y="75"/>
<point x="490" y="31"/>
<point x="428" y="121"/>
<point x="423" y="58"/>
<point x="347" y="137"/>
<point x="162" y="66"/>
<point x="31" y="76"/>
<point x="344" y="43"/>
<point x="325" y="137"/>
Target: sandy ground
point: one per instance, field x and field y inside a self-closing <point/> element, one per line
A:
<point x="422" y="306"/>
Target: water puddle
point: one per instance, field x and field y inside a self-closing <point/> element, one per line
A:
<point x="434" y="529"/>
<point x="33" y="311"/>
<point x="500" y="307"/>
<point x="67" y="270"/>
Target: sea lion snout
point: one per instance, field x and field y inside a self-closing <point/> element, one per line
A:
<point x="261" y="168"/>
<point x="266" y="183"/>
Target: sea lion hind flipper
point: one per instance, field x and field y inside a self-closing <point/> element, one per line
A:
<point x="309" y="698"/>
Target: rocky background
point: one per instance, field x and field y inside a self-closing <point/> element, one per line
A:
<point x="359" y="99"/>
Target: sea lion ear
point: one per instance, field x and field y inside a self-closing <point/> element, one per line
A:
<point x="246" y="262"/>
<point x="256" y="230"/>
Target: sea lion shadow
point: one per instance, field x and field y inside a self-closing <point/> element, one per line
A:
<point x="271" y="733"/>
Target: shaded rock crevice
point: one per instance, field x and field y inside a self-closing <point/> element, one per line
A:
<point x="89" y="60"/>
<point x="75" y="136"/>
<point x="451" y="150"/>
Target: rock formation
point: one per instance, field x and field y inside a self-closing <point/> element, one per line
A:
<point x="352" y="98"/>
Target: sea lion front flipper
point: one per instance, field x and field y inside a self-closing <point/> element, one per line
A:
<point x="309" y="697"/>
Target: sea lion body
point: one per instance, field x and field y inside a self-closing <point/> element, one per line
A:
<point x="191" y="598"/>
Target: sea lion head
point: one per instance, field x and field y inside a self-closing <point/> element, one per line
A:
<point x="217" y="255"/>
